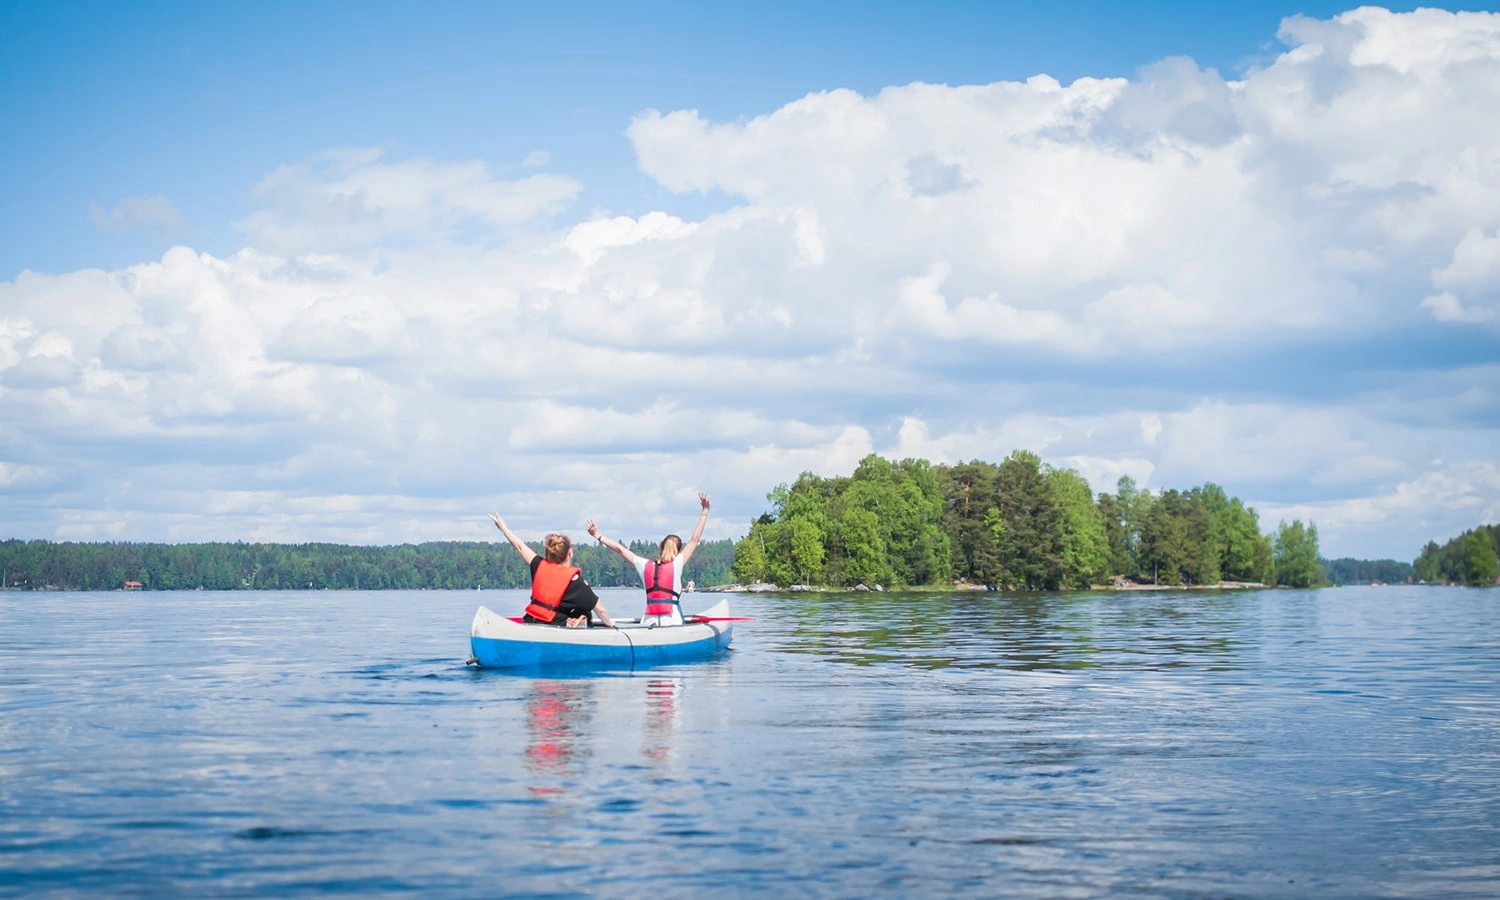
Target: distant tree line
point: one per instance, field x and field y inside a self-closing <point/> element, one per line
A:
<point x="1471" y="558"/>
<point x="241" y="566"/>
<point x="1366" y="571"/>
<point x="1017" y="525"/>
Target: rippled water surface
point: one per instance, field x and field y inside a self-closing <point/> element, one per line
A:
<point x="1342" y="742"/>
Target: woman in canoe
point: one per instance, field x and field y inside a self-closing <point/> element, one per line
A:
<point x="559" y="595"/>
<point x="661" y="576"/>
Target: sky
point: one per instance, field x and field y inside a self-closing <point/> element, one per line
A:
<point x="365" y="272"/>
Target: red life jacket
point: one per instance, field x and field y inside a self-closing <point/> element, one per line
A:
<point x="547" y="588"/>
<point x="660" y="598"/>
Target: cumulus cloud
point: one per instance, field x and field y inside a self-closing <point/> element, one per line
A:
<point x="1178" y="206"/>
<point x="1283" y="282"/>
<point x="1431" y="506"/>
<point x="348" y="329"/>
<point x="351" y="200"/>
<point x="1447" y="308"/>
<point x="1473" y="271"/>
<point x="155" y="213"/>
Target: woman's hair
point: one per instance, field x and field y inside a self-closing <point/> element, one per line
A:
<point x="671" y="545"/>
<point x="557" y="547"/>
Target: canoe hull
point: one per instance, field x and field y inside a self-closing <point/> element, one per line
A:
<point x="498" y="642"/>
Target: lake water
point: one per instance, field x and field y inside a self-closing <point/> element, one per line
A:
<point x="1335" y="743"/>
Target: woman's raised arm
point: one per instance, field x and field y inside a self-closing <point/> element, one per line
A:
<point x="616" y="546"/>
<point x="527" y="554"/>
<point x="692" y="543"/>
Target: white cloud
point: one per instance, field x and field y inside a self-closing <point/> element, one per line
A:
<point x="1446" y="308"/>
<point x="1178" y="207"/>
<point x="1436" y="504"/>
<point x="1150" y="428"/>
<point x="350" y="200"/>
<point x="961" y="444"/>
<point x="1475" y="265"/>
<point x="591" y="240"/>
<point x="1178" y="278"/>
<point x="978" y="318"/>
<point x="1104" y="474"/>
<point x="1475" y="271"/>
<point x="155" y="213"/>
<point x="12" y="476"/>
<point x="41" y="371"/>
<point x="348" y="329"/>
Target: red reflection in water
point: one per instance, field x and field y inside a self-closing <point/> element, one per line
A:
<point x="552" y="728"/>
<point x="661" y="717"/>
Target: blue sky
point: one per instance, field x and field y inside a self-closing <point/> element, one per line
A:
<point x="323" y="271"/>
<point x="198" y="101"/>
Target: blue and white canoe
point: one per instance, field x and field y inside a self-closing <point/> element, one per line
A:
<point x="497" y="641"/>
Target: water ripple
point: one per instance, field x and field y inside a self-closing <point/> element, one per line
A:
<point x="1335" y="743"/>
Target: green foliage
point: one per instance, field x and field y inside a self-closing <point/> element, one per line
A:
<point x="1429" y="565"/>
<point x="882" y="525"/>
<point x="1167" y="550"/>
<point x="1200" y="536"/>
<point x="971" y="521"/>
<point x="1296" y="555"/>
<point x="863" y="548"/>
<point x="750" y="559"/>
<point x="1085" y="548"/>
<point x="240" y="566"/>
<point x="1019" y="525"/>
<point x="807" y="550"/>
<point x="1031" y="543"/>
<point x="1134" y="504"/>
<point x="1117" y="540"/>
<point x="1470" y="558"/>
<point x="1243" y="552"/>
<point x="1479" y="559"/>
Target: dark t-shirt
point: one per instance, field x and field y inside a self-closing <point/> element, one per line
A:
<point x="578" y="600"/>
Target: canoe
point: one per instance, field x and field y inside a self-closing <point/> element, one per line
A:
<point x="497" y="641"/>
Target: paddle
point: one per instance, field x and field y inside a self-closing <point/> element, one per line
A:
<point x="721" y="618"/>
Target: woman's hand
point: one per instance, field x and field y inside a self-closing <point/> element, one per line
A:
<point x="703" y="499"/>
<point x="593" y="530"/>
<point x="527" y="554"/>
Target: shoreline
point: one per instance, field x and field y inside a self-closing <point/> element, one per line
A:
<point x="763" y="588"/>
<point x="965" y="587"/>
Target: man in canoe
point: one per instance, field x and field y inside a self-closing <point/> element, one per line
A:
<point x="559" y="594"/>
<point x="663" y="575"/>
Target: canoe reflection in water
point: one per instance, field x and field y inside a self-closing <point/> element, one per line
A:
<point x="557" y="715"/>
<point x="661" y="717"/>
<point x="562" y="731"/>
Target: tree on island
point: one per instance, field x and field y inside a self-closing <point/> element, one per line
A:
<point x="1470" y="558"/>
<point x="1020" y="525"/>
<point x="1480" y="561"/>
<point x="1085" y="545"/>
<point x="881" y="525"/>
<point x="1296" y="555"/>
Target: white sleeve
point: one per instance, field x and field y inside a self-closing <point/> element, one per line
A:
<point x="640" y="567"/>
